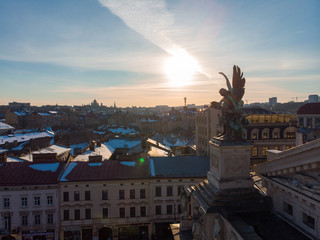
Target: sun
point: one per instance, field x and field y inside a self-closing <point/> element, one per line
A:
<point x="180" y="68"/>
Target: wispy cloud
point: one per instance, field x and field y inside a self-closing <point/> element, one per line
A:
<point x="150" y="18"/>
<point x="153" y="21"/>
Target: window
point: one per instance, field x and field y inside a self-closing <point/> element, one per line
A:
<point x="264" y="151"/>
<point x="76" y="196"/>
<point x="255" y="135"/>
<point x="287" y="208"/>
<point x="65" y="215"/>
<point x="169" y="191"/>
<point x="37" y="219"/>
<point x="309" y="122"/>
<point x="24" y="220"/>
<point x="105" y="213"/>
<point x="50" y="200"/>
<point x="88" y="213"/>
<point x="276" y="147"/>
<point x="6" y="202"/>
<point x="24" y="201"/>
<point x="180" y="189"/>
<point x="308" y="220"/>
<point x="87" y="195"/>
<point x="300" y="122"/>
<point x="179" y="209"/>
<point x="169" y="209"/>
<point x="65" y="196"/>
<point x="158" y="191"/>
<point x="77" y="214"/>
<point x="290" y="135"/>
<point x="122" y="212"/>
<point x="50" y="218"/>
<point x="121" y="194"/>
<point x="142" y="193"/>
<point x="265" y="135"/>
<point x="158" y="209"/>
<point x="276" y="135"/>
<point x="132" y="211"/>
<point x="7" y="223"/>
<point x="254" y="152"/>
<point x="132" y="194"/>
<point x="37" y="201"/>
<point x="104" y="194"/>
<point x="143" y="211"/>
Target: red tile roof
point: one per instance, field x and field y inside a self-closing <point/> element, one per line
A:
<point x="107" y="170"/>
<point x="22" y="174"/>
<point x="309" y="108"/>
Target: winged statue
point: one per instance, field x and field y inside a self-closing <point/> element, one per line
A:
<point x="231" y="103"/>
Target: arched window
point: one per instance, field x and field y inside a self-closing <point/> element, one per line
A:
<point x="290" y="133"/>
<point x="255" y="134"/>
<point x="265" y="133"/>
<point x="276" y="133"/>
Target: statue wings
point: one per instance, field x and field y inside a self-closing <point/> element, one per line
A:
<point x="238" y="82"/>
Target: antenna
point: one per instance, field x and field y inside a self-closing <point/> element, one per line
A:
<point x="185" y="101"/>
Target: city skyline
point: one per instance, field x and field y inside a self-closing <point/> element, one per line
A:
<point x="147" y="53"/>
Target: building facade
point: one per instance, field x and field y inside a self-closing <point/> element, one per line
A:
<point x="29" y="201"/>
<point x="266" y="131"/>
<point x="308" y="122"/>
<point x="292" y="181"/>
<point x="207" y="126"/>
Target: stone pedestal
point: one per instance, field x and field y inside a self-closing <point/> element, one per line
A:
<point x="229" y="164"/>
<point x="185" y="223"/>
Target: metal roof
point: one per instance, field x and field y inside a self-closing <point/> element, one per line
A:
<point x="180" y="166"/>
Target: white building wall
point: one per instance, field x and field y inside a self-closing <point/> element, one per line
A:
<point x="16" y="210"/>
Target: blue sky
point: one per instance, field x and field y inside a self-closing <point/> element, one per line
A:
<point x="70" y="52"/>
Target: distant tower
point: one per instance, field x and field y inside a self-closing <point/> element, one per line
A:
<point x="185" y="101"/>
<point x="273" y="101"/>
<point x="313" y="98"/>
<point x="114" y="105"/>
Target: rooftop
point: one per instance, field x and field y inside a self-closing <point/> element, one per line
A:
<point x="4" y="126"/>
<point x="20" y="174"/>
<point x="106" y="170"/>
<point x="105" y="151"/>
<point x="180" y="166"/>
<point x="310" y="108"/>
<point x="256" y="110"/>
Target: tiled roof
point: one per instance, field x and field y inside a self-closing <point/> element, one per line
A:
<point x="309" y="108"/>
<point x="20" y="174"/>
<point x="180" y="166"/>
<point x="106" y="170"/>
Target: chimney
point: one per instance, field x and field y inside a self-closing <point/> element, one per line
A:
<point x="92" y="146"/>
<point x="44" y="157"/>
<point x="3" y="158"/>
<point x="95" y="159"/>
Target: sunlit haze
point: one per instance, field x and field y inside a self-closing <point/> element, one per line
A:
<point x="156" y="52"/>
<point x="180" y="68"/>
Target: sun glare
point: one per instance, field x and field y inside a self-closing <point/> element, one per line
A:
<point x="180" y="68"/>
